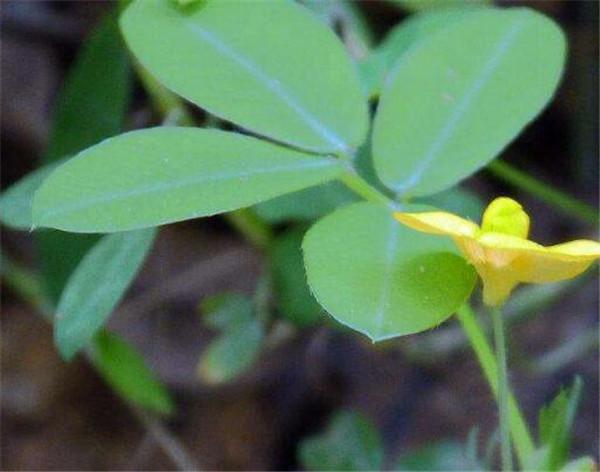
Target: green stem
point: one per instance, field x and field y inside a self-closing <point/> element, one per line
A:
<point x="251" y="226"/>
<point x="501" y="362"/>
<point x="561" y="201"/>
<point x="27" y="285"/>
<point x="518" y="428"/>
<point x="362" y="188"/>
<point x="163" y="100"/>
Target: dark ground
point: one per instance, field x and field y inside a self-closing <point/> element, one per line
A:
<point x="62" y="416"/>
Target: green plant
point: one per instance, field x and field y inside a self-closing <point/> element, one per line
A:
<point x="454" y="88"/>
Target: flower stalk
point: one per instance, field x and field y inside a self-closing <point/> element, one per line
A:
<point x="501" y="361"/>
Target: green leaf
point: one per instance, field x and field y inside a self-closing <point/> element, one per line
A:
<point x="305" y="205"/>
<point x="127" y="373"/>
<point x="442" y="455"/>
<point x="294" y="299"/>
<point x="90" y="107"/>
<point x="555" y="423"/>
<point x="460" y="96"/>
<point x="239" y="343"/>
<point x="162" y="175"/>
<point x="381" y="278"/>
<point x="457" y="200"/>
<point x="96" y="287"/>
<point x="283" y="74"/>
<point x="374" y="69"/>
<point x="351" y="442"/>
<point x="95" y="95"/>
<point x="17" y="200"/>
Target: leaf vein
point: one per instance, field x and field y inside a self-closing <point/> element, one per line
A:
<point x="461" y="109"/>
<point x="161" y="187"/>
<point x="272" y="84"/>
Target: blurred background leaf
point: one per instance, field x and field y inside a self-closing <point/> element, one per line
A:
<point x="96" y="286"/>
<point x="305" y="205"/>
<point x="292" y="293"/>
<point x="442" y="455"/>
<point x="127" y="373"/>
<point x="350" y="442"/>
<point x="555" y="422"/>
<point x="238" y="342"/>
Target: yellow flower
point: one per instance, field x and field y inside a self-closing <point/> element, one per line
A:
<point x="500" y="251"/>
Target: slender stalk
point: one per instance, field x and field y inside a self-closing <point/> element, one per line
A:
<point x="27" y="285"/>
<point x="561" y="201"/>
<point x="521" y="436"/>
<point x="163" y="100"/>
<point x="168" y="443"/>
<point x="251" y="226"/>
<point x="500" y="345"/>
<point x="362" y="188"/>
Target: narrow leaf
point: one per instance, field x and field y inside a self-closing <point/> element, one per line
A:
<point x="381" y="278"/>
<point x="459" y="97"/>
<point x="95" y="95"/>
<point x="162" y="175"/>
<point x="283" y="74"/>
<point x="555" y="423"/>
<point x="96" y="287"/>
<point x="125" y="370"/>
<point x="90" y="107"/>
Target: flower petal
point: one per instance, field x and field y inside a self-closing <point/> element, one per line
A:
<point x="556" y="263"/>
<point x="546" y="267"/>
<point x="582" y="248"/>
<point x="438" y="222"/>
<point x="533" y="263"/>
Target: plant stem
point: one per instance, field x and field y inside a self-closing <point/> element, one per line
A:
<point x="500" y="345"/>
<point x="561" y="201"/>
<point x="163" y="100"/>
<point x="251" y="226"/>
<point x="26" y="284"/>
<point x="518" y="428"/>
<point x="362" y="188"/>
<point x="165" y="439"/>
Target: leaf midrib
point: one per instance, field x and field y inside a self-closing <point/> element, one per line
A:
<point x="272" y="84"/>
<point x="162" y="187"/>
<point x="455" y="118"/>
